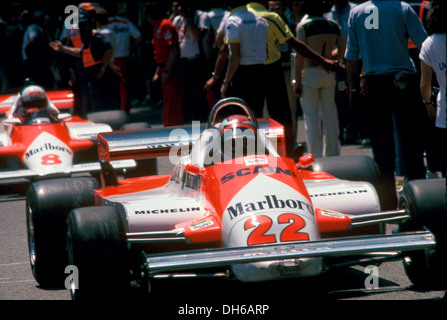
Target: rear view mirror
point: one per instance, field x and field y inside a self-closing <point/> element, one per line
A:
<point x="305" y="161"/>
<point x="192" y="169"/>
<point x="12" y="121"/>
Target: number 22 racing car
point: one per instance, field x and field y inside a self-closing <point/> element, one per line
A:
<point x="255" y="216"/>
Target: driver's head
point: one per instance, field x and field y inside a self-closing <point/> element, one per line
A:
<point x="238" y="136"/>
<point x="33" y="96"/>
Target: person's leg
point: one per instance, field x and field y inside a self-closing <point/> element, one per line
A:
<point x="172" y="112"/>
<point x="410" y="125"/>
<point x="278" y="105"/>
<point x="311" y="114"/>
<point x="125" y="105"/>
<point x="442" y="132"/>
<point x="379" y="104"/>
<point x="329" y="117"/>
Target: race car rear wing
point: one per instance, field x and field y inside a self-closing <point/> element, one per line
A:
<point x="157" y="142"/>
<point x="170" y="262"/>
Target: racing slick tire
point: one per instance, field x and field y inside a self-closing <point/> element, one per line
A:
<point x="96" y="244"/>
<point x="425" y="201"/>
<point x="358" y="168"/>
<point x="114" y="118"/>
<point x="48" y="203"/>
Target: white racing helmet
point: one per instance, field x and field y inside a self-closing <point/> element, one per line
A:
<point x="34" y="96"/>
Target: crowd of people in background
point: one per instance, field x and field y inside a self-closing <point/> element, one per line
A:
<point x="311" y="59"/>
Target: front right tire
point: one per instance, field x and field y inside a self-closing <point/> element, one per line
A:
<point x="48" y="203"/>
<point x="425" y="200"/>
<point x="96" y="246"/>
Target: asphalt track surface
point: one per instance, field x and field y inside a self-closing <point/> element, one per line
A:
<point x="348" y="283"/>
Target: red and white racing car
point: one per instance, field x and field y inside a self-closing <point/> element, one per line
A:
<point x="43" y="147"/>
<point x="256" y="217"/>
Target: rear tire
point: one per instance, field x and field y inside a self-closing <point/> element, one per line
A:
<point x="425" y="201"/>
<point x="96" y="245"/>
<point x="114" y="118"/>
<point x="135" y="126"/>
<point x="48" y="203"/>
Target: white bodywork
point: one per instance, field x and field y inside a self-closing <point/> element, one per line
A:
<point x="161" y="209"/>
<point x="48" y="156"/>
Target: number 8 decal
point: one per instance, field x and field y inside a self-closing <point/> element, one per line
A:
<point x="50" y="159"/>
<point x="289" y="233"/>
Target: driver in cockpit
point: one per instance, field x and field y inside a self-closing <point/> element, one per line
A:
<point x="32" y="98"/>
<point x="238" y="137"/>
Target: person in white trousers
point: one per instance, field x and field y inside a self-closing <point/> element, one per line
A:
<point x="315" y="86"/>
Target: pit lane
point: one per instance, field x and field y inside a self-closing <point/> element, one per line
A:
<point x="17" y="282"/>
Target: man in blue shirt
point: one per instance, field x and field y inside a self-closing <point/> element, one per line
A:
<point x="378" y="33"/>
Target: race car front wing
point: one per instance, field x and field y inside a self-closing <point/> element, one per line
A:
<point x="189" y="260"/>
<point x="76" y="168"/>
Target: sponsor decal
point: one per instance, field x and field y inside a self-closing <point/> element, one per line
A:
<point x="167" y="210"/>
<point x="255" y="170"/>
<point x="331" y="214"/>
<point x="201" y="224"/>
<point x="47" y="147"/>
<point x="269" y="202"/>
<point x="255" y="160"/>
<point x="338" y="193"/>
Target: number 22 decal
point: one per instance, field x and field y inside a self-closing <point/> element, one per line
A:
<point x="290" y="233"/>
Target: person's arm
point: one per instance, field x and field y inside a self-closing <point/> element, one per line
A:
<point x="135" y="33"/>
<point x="107" y="61"/>
<point x="221" y="59"/>
<point x="136" y="43"/>
<point x="341" y="48"/>
<point x="426" y="90"/>
<point x="172" y="57"/>
<point x="353" y="74"/>
<point x="303" y="49"/>
<point x="355" y="95"/>
<point x="220" y="37"/>
<point x="415" y="28"/>
<point x="156" y="75"/>
<point x="233" y="65"/>
<point x="299" y="63"/>
<point x="59" y="47"/>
